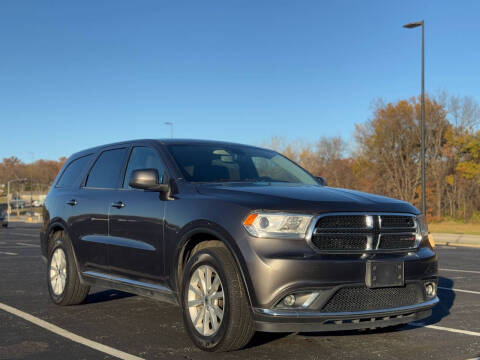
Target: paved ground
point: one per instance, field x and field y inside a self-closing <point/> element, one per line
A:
<point x="151" y="330"/>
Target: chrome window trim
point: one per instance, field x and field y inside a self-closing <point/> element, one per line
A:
<point x="369" y="249"/>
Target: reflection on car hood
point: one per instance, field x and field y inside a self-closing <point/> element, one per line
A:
<point x="298" y="197"/>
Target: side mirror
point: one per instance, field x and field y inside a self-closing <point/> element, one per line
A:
<point x="147" y="179"/>
<point x="321" y="180"/>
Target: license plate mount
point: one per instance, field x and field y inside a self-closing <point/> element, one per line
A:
<point x="384" y="274"/>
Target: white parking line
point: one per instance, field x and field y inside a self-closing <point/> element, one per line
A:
<point x="24" y="244"/>
<point x="463" y="271"/>
<point x="464" y="332"/>
<point x="7" y="253"/>
<point x="25" y="234"/>
<point x="67" y="334"/>
<point x="459" y="290"/>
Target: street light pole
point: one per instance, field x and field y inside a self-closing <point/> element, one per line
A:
<point x="31" y="176"/>
<point x="171" y="128"/>
<point x="8" y="202"/>
<point x="422" y="121"/>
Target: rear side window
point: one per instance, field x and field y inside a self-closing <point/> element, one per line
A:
<point x="73" y="172"/>
<point x="143" y="158"/>
<point x="107" y="169"/>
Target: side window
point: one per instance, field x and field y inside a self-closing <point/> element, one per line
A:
<point x="73" y="172"/>
<point x="143" y="158"/>
<point x="107" y="169"/>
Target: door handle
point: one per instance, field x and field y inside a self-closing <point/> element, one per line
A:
<point x="118" y="204"/>
<point x="72" y="202"/>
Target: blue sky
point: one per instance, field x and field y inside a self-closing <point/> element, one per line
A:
<point x="80" y="74"/>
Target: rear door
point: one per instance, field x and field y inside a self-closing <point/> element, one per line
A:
<point x="88" y="221"/>
<point x="136" y="223"/>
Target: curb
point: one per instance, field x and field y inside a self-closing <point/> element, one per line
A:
<point x="453" y="244"/>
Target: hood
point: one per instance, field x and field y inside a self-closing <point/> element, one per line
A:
<point x="299" y="197"/>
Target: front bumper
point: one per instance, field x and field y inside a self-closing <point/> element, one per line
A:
<point x="273" y="320"/>
<point x="277" y="269"/>
<point x="294" y="268"/>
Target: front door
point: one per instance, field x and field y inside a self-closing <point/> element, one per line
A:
<point x="136" y="221"/>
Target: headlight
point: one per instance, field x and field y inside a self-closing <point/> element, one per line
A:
<point x="273" y="225"/>
<point x="422" y="232"/>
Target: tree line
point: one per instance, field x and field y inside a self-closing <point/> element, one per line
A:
<point x="39" y="175"/>
<point x="384" y="155"/>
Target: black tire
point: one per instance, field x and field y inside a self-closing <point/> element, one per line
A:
<point x="237" y="326"/>
<point x="5" y="225"/>
<point x="74" y="292"/>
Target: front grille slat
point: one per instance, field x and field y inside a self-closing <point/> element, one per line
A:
<point x="342" y="222"/>
<point x="396" y="241"/>
<point x="364" y="232"/>
<point x="397" y="221"/>
<point x="340" y="241"/>
<point x="351" y="299"/>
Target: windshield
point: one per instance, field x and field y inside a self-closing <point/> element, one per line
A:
<point x="217" y="163"/>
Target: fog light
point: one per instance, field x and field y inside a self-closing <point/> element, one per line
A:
<point x="430" y="289"/>
<point x="289" y="300"/>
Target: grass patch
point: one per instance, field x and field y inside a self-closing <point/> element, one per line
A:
<point x="454" y="227"/>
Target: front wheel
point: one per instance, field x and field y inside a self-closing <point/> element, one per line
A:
<point x="216" y="311"/>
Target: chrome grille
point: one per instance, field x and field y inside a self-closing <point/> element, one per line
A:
<point x="364" y="232"/>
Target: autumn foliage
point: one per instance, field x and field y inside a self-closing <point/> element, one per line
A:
<point x="39" y="174"/>
<point x="384" y="157"/>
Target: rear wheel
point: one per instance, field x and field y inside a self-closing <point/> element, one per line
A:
<point x="216" y="311"/>
<point x="63" y="281"/>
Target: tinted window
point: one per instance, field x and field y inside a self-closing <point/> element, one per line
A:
<point x="143" y="158"/>
<point x="73" y="172"/>
<point x="107" y="169"/>
<point x="214" y="163"/>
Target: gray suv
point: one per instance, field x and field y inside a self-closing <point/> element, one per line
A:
<point x="240" y="237"/>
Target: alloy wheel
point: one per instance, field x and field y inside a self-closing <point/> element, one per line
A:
<point x="206" y="301"/>
<point x="58" y="271"/>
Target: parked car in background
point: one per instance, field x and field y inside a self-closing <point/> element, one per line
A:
<point x="17" y="202"/>
<point x="37" y="203"/>
<point x="242" y="238"/>
<point x="3" y="219"/>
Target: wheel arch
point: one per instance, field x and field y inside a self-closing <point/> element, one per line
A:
<point x="202" y="232"/>
<point x="54" y="226"/>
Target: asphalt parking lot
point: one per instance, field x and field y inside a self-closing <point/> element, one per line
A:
<point x="138" y="327"/>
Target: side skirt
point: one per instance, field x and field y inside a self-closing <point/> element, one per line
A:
<point x="157" y="292"/>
